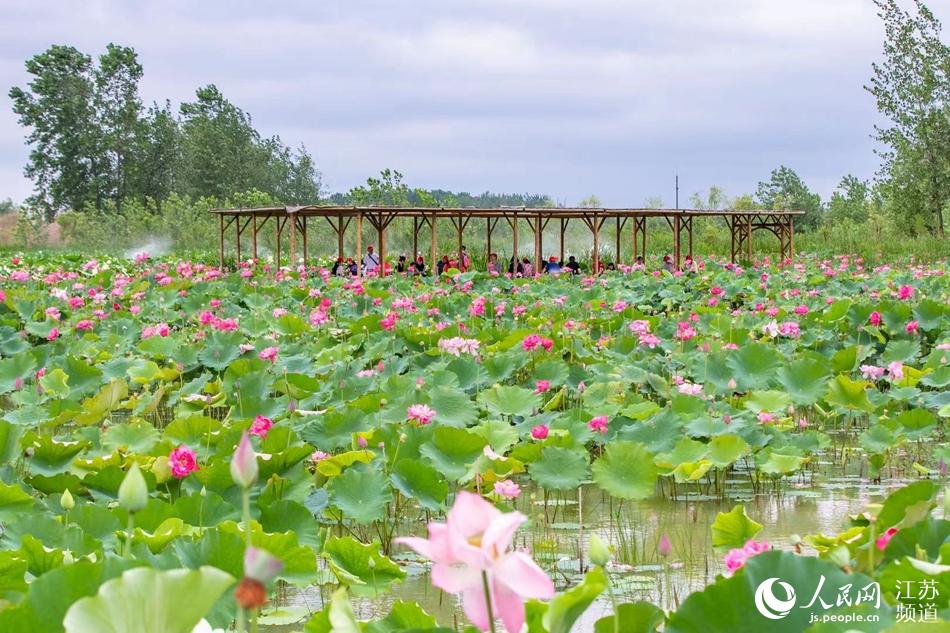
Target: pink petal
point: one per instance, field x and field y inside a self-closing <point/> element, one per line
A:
<point x="456" y="578"/>
<point x="508" y="606"/>
<point x="497" y="538"/>
<point x="522" y="575"/>
<point x="471" y="514"/>
<point x="422" y="546"/>
<point x="475" y="607"/>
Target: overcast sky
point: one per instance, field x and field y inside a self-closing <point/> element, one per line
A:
<point x="561" y="97"/>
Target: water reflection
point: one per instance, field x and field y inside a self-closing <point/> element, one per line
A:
<point x="561" y="525"/>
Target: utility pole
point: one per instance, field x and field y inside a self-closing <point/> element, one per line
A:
<point x="677" y="191"/>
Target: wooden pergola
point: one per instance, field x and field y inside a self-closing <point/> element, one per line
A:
<point x="741" y="224"/>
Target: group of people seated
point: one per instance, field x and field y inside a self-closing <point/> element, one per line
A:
<point x="524" y="267"/>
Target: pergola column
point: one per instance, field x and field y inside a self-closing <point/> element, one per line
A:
<point x="432" y="261"/>
<point x="415" y="237"/>
<point x="563" y="229"/>
<point x="359" y="244"/>
<point x="254" y="237"/>
<point x="221" y="241"/>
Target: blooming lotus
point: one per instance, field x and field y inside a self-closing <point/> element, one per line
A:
<point x="420" y="413"/>
<point x="598" y="424"/>
<point x="261" y="426"/>
<point x="182" y="461"/>
<point x="737" y="557"/>
<point x="472" y="556"/>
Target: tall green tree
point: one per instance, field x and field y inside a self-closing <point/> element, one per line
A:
<point x="851" y="201"/>
<point x="118" y="125"/>
<point x="387" y="190"/>
<point x="58" y="110"/>
<point x="715" y="198"/>
<point x="912" y="89"/>
<point x="786" y="190"/>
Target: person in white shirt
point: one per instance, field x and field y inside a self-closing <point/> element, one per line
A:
<point x="370" y="261"/>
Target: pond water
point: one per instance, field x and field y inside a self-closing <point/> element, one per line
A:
<point x="561" y="526"/>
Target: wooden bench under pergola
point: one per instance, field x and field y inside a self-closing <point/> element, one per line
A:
<point x="741" y="225"/>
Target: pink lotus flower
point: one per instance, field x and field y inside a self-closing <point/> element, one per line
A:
<point x="507" y="489"/>
<point x="540" y="431"/>
<point x="473" y="548"/>
<point x="664" y="547"/>
<point x="598" y="424"/>
<point x="182" y="461"/>
<point x="84" y="324"/>
<point x="875" y="318"/>
<point x="318" y="456"/>
<point x="261" y="426"/>
<point x="388" y="322"/>
<point x="766" y="418"/>
<point x="244" y="469"/>
<point x="885" y="538"/>
<point x="53" y="334"/>
<point x="540" y="386"/>
<point x="420" y="413"/>
<point x="872" y="372"/>
<point x="737" y="557"/>
<point x="912" y="327"/>
<point x="268" y="353"/>
<point x="905" y="292"/>
<point x="895" y="370"/>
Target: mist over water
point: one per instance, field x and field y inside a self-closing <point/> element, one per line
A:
<point x="153" y="246"/>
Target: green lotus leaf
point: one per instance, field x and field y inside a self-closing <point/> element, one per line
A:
<point x="732" y="529"/>
<point x="453" y="450"/>
<point x="559" y="468"/>
<point x="626" y="470"/>
<point x="363" y="568"/>
<point x="509" y="400"/>
<point x="417" y="480"/>
<point x="635" y="617"/>
<point x="753" y="365"/>
<point x="147" y="600"/>
<point x="361" y="493"/>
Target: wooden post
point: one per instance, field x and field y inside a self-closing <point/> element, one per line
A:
<point x="537" y="244"/>
<point x="221" y="241"/>
<point x="488" y="231"/>
<point x="563" y="228"/>
<point x="595" y="260"/>
<point x="254" y="237"/>
<point x="617" y="238"/>
<point x="791" y="237"/>
<point x="303" y="233"/>
<point x="415" y="238"/>
<point x="460" y="227"/>
<point x="382" y="247"/>
<point x="293" y="239"/>
<point x="339" y="236"/>
<point x="541" y="226"/>
<point x="636" y="238"/>
<point x="748" y="238"/>
<point x="277" y="230"/>
<point x="237" y="232"/>
<point x="689" y="232"/>
<point x="676" y="242"/>
<point x="432" y="261"/>
<point x="514" y="239"/>
<point x="359" y="244"/>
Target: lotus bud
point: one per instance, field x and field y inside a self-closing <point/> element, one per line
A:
<point x="244" y="463"/>
<point x="161" y="469"/>
<point x="665" y="548"/>
<point x="133" y="493"/>
<point x="597" y="550"/>
<point x="67" y="501"/>
<point x="261" y="565"/>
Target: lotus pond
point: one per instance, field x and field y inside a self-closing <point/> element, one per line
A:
<point x="189" y="449"/>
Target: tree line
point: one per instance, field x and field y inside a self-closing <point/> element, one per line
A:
<point x="94" y="145"/>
